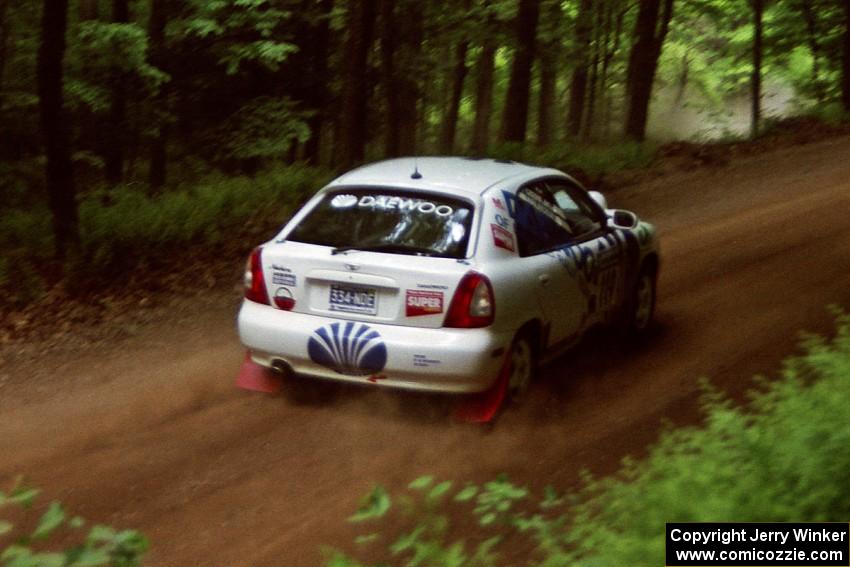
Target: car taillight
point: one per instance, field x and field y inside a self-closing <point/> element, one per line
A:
<point x="255" y="285"/>
<point x="473" y="304"/>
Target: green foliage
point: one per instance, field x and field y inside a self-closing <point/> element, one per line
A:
<point x="591" y="159"/>
<point x="240" y="32"/>
<point x="784" y="458"/>
<point x="102" y="545"/>
<point x="119" y="236"/>
<point x="264" y="128"/>
<point x="106" y="52"/>
<point x="134" y="225"/>
<point x="373" y="505"/>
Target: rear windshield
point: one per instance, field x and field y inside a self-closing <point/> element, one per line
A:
<point x="388" y="220"/>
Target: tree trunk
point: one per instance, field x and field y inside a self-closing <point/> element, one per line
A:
<point x="845" y="63"/>
<point x="320" y="52"/>
<point x="483" y="99"/>
<point x="400" y="43"/>
<point x="355" y="95"/>
<point x="114" y="149"/>
<point x="515" y="116"/>
<point x="810" y="18"/>
<point x="158" y="58"/>
<point x="578" y="83"/>
<point x="546" y="98"/>
<point x="54" y="125"/>
<point x="590" y="114"/>
<point x="4" y="43"/>
<point x="449" y="126"/>
<point x="609" y="55"/>
<point x="548" y="57"/>
<point x="758" y="12"/>
<point x="88" y="10"/>
<point x="392" y="142"/>
<point x="408" y="73"/>
<point x="643" y="62"/>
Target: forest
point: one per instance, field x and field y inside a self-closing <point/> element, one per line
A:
<point x="156" y="108"/>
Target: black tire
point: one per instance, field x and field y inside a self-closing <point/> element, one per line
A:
<point x="523" y="367"/>
<point x="640" y="306"/>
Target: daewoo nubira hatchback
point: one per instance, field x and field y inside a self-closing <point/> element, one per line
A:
<point x="443" y="273"/>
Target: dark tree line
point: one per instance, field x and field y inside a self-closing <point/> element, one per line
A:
<point x="135" y="89"/>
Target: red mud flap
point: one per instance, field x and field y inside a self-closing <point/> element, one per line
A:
<point x="257" y="378"/>
<point x="483" y="407"/>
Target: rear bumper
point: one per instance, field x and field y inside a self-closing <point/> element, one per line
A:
<point x="437" y="360"/>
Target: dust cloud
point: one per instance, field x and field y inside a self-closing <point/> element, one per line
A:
<point x="693" y="119"/>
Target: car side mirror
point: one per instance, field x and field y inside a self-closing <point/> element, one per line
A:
<point x="599" y="198"/>
<point x="619" y="218"/>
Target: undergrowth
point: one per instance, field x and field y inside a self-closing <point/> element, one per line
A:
<point x="121" y="229"/>
<point x="783" y="458"/>
<point x="35" y="546"/>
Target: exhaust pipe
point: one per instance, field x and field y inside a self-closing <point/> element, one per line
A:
<point x="282" y="368"/>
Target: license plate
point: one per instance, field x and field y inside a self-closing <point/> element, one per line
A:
<point x="349" y="299"/>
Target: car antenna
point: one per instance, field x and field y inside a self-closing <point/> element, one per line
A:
<point x="416" y="174"/>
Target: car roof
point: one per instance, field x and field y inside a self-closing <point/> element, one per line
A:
<point x="469" y="176"/>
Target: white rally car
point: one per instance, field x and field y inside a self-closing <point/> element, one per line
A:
<point x="443" y="274"/>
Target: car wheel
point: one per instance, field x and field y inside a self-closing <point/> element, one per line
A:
<point x="642" y="303"/>
<point x="523" y="364"/>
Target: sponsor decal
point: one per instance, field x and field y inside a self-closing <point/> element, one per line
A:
<point x="423" y="302"/>
<point x="498" y="204"/>
<point x="404" y="204"/>
<point x="282" y="278"/>
<point x="282" y="295"/>
<point x="344" y="201"/>
<point x="422" y="361"/>
<point x="353" y="349"/>
<point x="282" y="275"/>
<point x="502" y="238"/>
<point x="510" y="201"/>
<point x="503" y="221"/>
<point x="431" y="286"/>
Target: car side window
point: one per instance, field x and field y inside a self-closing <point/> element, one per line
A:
<point x="576" y="207"/>
<point x="540" y="222"/>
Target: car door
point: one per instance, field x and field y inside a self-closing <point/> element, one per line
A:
<point x="593" y="255"/>
<point x="542" y="233"/>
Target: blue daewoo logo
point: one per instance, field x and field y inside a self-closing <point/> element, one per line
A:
<point x="353" y="349"/>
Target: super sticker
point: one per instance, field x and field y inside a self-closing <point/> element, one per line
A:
<point x="418" y="302"/>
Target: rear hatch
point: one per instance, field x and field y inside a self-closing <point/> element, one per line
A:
<point x="363" y="286"/>
<point x="377" y="254"/>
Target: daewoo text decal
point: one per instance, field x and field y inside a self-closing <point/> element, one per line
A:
<point x="387" y="203"/>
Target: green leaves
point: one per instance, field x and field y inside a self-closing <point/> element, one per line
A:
<point x="112" y="50"/>
<point x="52" y="519"/>
<point x="102" y="546"/>
<point x="240" y="32"/>
<point x="373" y="505"/>
<point x="784" y="459"/>
<point x="264" y="128"/>
<point x="421" y="483"/>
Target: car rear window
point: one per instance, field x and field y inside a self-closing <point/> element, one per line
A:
<point x="399" y="221"/>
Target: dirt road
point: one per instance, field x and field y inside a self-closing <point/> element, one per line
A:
<point x="152" y="434"/>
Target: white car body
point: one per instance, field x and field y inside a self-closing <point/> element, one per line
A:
<point x="379" y="316"/>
